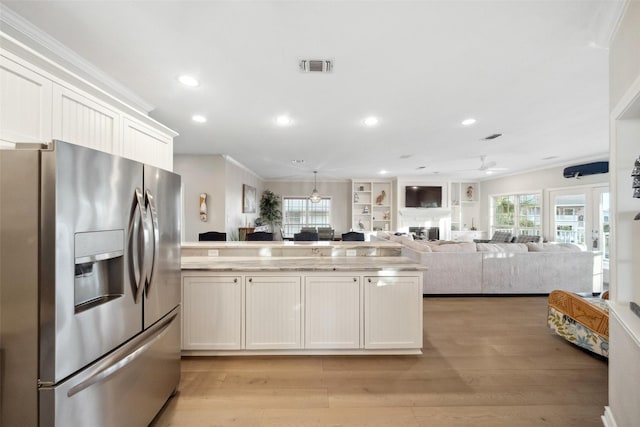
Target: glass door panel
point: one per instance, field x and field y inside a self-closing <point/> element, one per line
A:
<point x="569" y="216"/>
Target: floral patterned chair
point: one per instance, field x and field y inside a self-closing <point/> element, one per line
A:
<point x="581" y="321"/>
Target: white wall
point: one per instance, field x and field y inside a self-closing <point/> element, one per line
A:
<point x="624" y="60"/>
<point x="221" y="178"/>
<point x="624" y="360"/>
<point x="201" y="174"/>
<point x="541" y="180"/>
<point x="339" y="191"/>
<point x="235" y="176"/>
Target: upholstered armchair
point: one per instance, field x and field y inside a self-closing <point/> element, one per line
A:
<point x="581" y="321"/>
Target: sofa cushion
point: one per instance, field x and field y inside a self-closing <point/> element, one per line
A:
<point x="455" y="247"/>
<point x="502" y="247"/>
<point x="553" y="247"/>
<point x="417" y="245"/>
<point x="401" y="238"/>
<point x="383" y="235"/>
<point x="501" y="237"/>
<point x="523" y="238"/>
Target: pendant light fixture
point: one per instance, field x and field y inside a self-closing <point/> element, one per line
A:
<point x="315" y="195"/>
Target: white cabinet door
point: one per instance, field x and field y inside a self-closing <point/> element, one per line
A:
<point x="85" y="121"/>
<point x="332" y="312"/>
<point x="25" y="105"/>
<point x="212" y="313"/>
<point x="393" y="312"/>
<point x="273" y="312"/>
<point x="147" y="145"/>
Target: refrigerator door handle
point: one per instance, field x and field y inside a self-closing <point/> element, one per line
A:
<point x="138" y="254"/>
<point x="118" y="361"/>
<point x="156" y="235"/>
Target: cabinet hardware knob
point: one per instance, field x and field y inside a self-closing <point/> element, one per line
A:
<point x="235" y="280"/>
<point x="355" y="279"/>
<point x="369" y="280"/>
<point x="250" y="279"/>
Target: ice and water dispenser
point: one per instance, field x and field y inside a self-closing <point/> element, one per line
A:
<point x="99" y="268"/>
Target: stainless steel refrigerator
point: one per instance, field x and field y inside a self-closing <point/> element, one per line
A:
<point x="89" y="288"/>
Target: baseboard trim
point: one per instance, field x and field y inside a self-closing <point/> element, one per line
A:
<point x="607" y="418"/>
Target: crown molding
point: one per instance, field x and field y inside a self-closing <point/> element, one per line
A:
<point x="610" y="17"/>
<point x="46" y="45"/>
<point x="236" y="163"/>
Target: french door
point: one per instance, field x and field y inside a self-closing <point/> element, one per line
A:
<point x="581" y="216"/>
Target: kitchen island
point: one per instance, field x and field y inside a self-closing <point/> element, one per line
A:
<point x="293" y="298"/>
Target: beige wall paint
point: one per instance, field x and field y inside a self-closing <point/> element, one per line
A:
<point x="624" y="57"/>
<point x="201" y="174"/>
<point x="235" y="176"/>
<point x="624" y="63"/>
<point x="339" y="191"/>
<point x="541" y="180"/>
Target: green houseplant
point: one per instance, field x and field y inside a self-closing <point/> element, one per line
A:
<point x="270" y="211"/>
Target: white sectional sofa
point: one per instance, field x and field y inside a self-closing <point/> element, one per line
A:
<point x="503" y="268"/>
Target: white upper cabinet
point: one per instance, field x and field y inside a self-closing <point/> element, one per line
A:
<point x="81" y="120"/>
<point x="25" y="104"/>
<point x="144" y="144"/>
<point x="38" y="106"/>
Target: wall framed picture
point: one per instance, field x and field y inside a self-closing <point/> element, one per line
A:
<point x="248" y="199"/>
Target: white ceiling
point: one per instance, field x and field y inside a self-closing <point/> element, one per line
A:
<point x="535" y="71"/>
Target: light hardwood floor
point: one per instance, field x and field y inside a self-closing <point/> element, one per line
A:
<point x="486" y="362"/>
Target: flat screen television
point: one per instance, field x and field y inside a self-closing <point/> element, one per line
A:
<point x="422" y="197"/>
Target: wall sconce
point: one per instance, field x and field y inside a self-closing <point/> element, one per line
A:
<point x="203" y="207"/>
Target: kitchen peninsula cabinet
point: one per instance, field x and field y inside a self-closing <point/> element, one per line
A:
<point x="212" y="312"/>
<point x="393" y="316"/>
<point x="305" y="304"/>
<point x="332" y="312"/>
<point x="273" y="312"/>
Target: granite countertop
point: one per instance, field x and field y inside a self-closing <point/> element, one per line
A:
<point x="290" y="244"/>
<point x="394" y="263"/>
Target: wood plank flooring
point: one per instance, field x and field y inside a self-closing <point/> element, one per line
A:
<point x="486" y="362"/>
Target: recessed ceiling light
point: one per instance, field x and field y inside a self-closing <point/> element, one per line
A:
<point x="489" y="172"/>
<point x="383" y="172"/>
<point x="188" y="81"/>
<point x="468" y="122"/>
<point x="283" y="120"/>
<point x="371" y="121"/>
<point x="199" y="119"/>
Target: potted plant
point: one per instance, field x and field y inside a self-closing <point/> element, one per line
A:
<point x="270" y="209"/>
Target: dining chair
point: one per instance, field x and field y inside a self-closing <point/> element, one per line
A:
<point x="353" y="236"/>
<point x="212" y="236"/>
<point x="305" y="237"/>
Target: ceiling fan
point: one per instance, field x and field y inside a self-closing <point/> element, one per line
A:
<point x="488" y="166"/>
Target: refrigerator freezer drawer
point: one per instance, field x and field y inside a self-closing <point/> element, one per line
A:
<point x="127" y="388"/>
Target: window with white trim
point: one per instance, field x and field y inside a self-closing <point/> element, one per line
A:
<point x="298" y="212"/>
<point x="519" y="214"/>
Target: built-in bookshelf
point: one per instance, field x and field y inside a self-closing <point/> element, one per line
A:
<point x="465" y="211"/>
<point x="371" y="205"/>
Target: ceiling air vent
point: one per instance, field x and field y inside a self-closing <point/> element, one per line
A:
<point x="493" y="136"/>
<point x="316" y="65"/>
